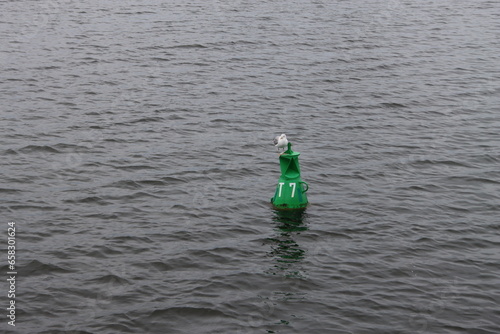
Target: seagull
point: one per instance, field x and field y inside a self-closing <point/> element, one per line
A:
<point x="281" y="142"/>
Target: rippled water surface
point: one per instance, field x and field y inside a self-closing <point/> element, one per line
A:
<point x="138" y="164"/>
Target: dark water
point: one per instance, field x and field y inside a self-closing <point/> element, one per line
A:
<point x="137" y="163"/>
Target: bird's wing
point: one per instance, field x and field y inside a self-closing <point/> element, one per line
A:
<point x="276" y="139"/>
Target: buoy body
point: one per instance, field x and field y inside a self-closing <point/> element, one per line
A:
<point x="291" y="190"/>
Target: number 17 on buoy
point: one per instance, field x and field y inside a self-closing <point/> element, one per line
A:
<point x="291" y="190"/>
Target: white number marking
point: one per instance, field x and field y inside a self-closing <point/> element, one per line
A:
<point x="281" y="186"/>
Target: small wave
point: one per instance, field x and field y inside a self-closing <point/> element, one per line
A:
<point x="134" y="167"/>
<point x="151" y="183"/>
<point x="124" y="238"/>
<point x="88" y="200"/>
<point x="110" y="278"/>
<point x="415" y="161"/>
<point x="391" y="105"/>
<point x="38" y="148"/>
<point x="102" y="252"/>
<point x="102" y="216"/>
<point x="36" y="268"/>
<point x="33" y="207"/>
<point x="10" y="191"/>
<point x="173" y="180"/>
<point x="189" y="46"/>
<point x="473" y="179"/>
<point x="10" y="152"/>
<point x="136" y="195"/>
<point x="157" y="266"/>
<point x="47" y="68"/>
<point x="135" y="13"/>
<point x="183" y="312"/>
<point x="125" y="184"/>
<point x="73" y="148"/>
<point x="146" y="120"/>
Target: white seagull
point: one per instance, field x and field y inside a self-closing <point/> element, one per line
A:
<point x="281" y="142"/>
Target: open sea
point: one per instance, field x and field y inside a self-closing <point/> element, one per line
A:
<point x="137" y="164"/>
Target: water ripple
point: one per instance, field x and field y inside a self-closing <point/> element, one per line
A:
<point x="137" y="162"/>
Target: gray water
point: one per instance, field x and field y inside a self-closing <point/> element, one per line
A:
<point x="138" y="164"/>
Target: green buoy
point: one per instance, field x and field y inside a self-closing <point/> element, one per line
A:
<point x="291" y="190"/>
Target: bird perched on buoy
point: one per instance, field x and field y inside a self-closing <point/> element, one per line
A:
<point x="281" y="142"/>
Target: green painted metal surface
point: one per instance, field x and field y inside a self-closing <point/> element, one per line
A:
<point x="291" y="190"/>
